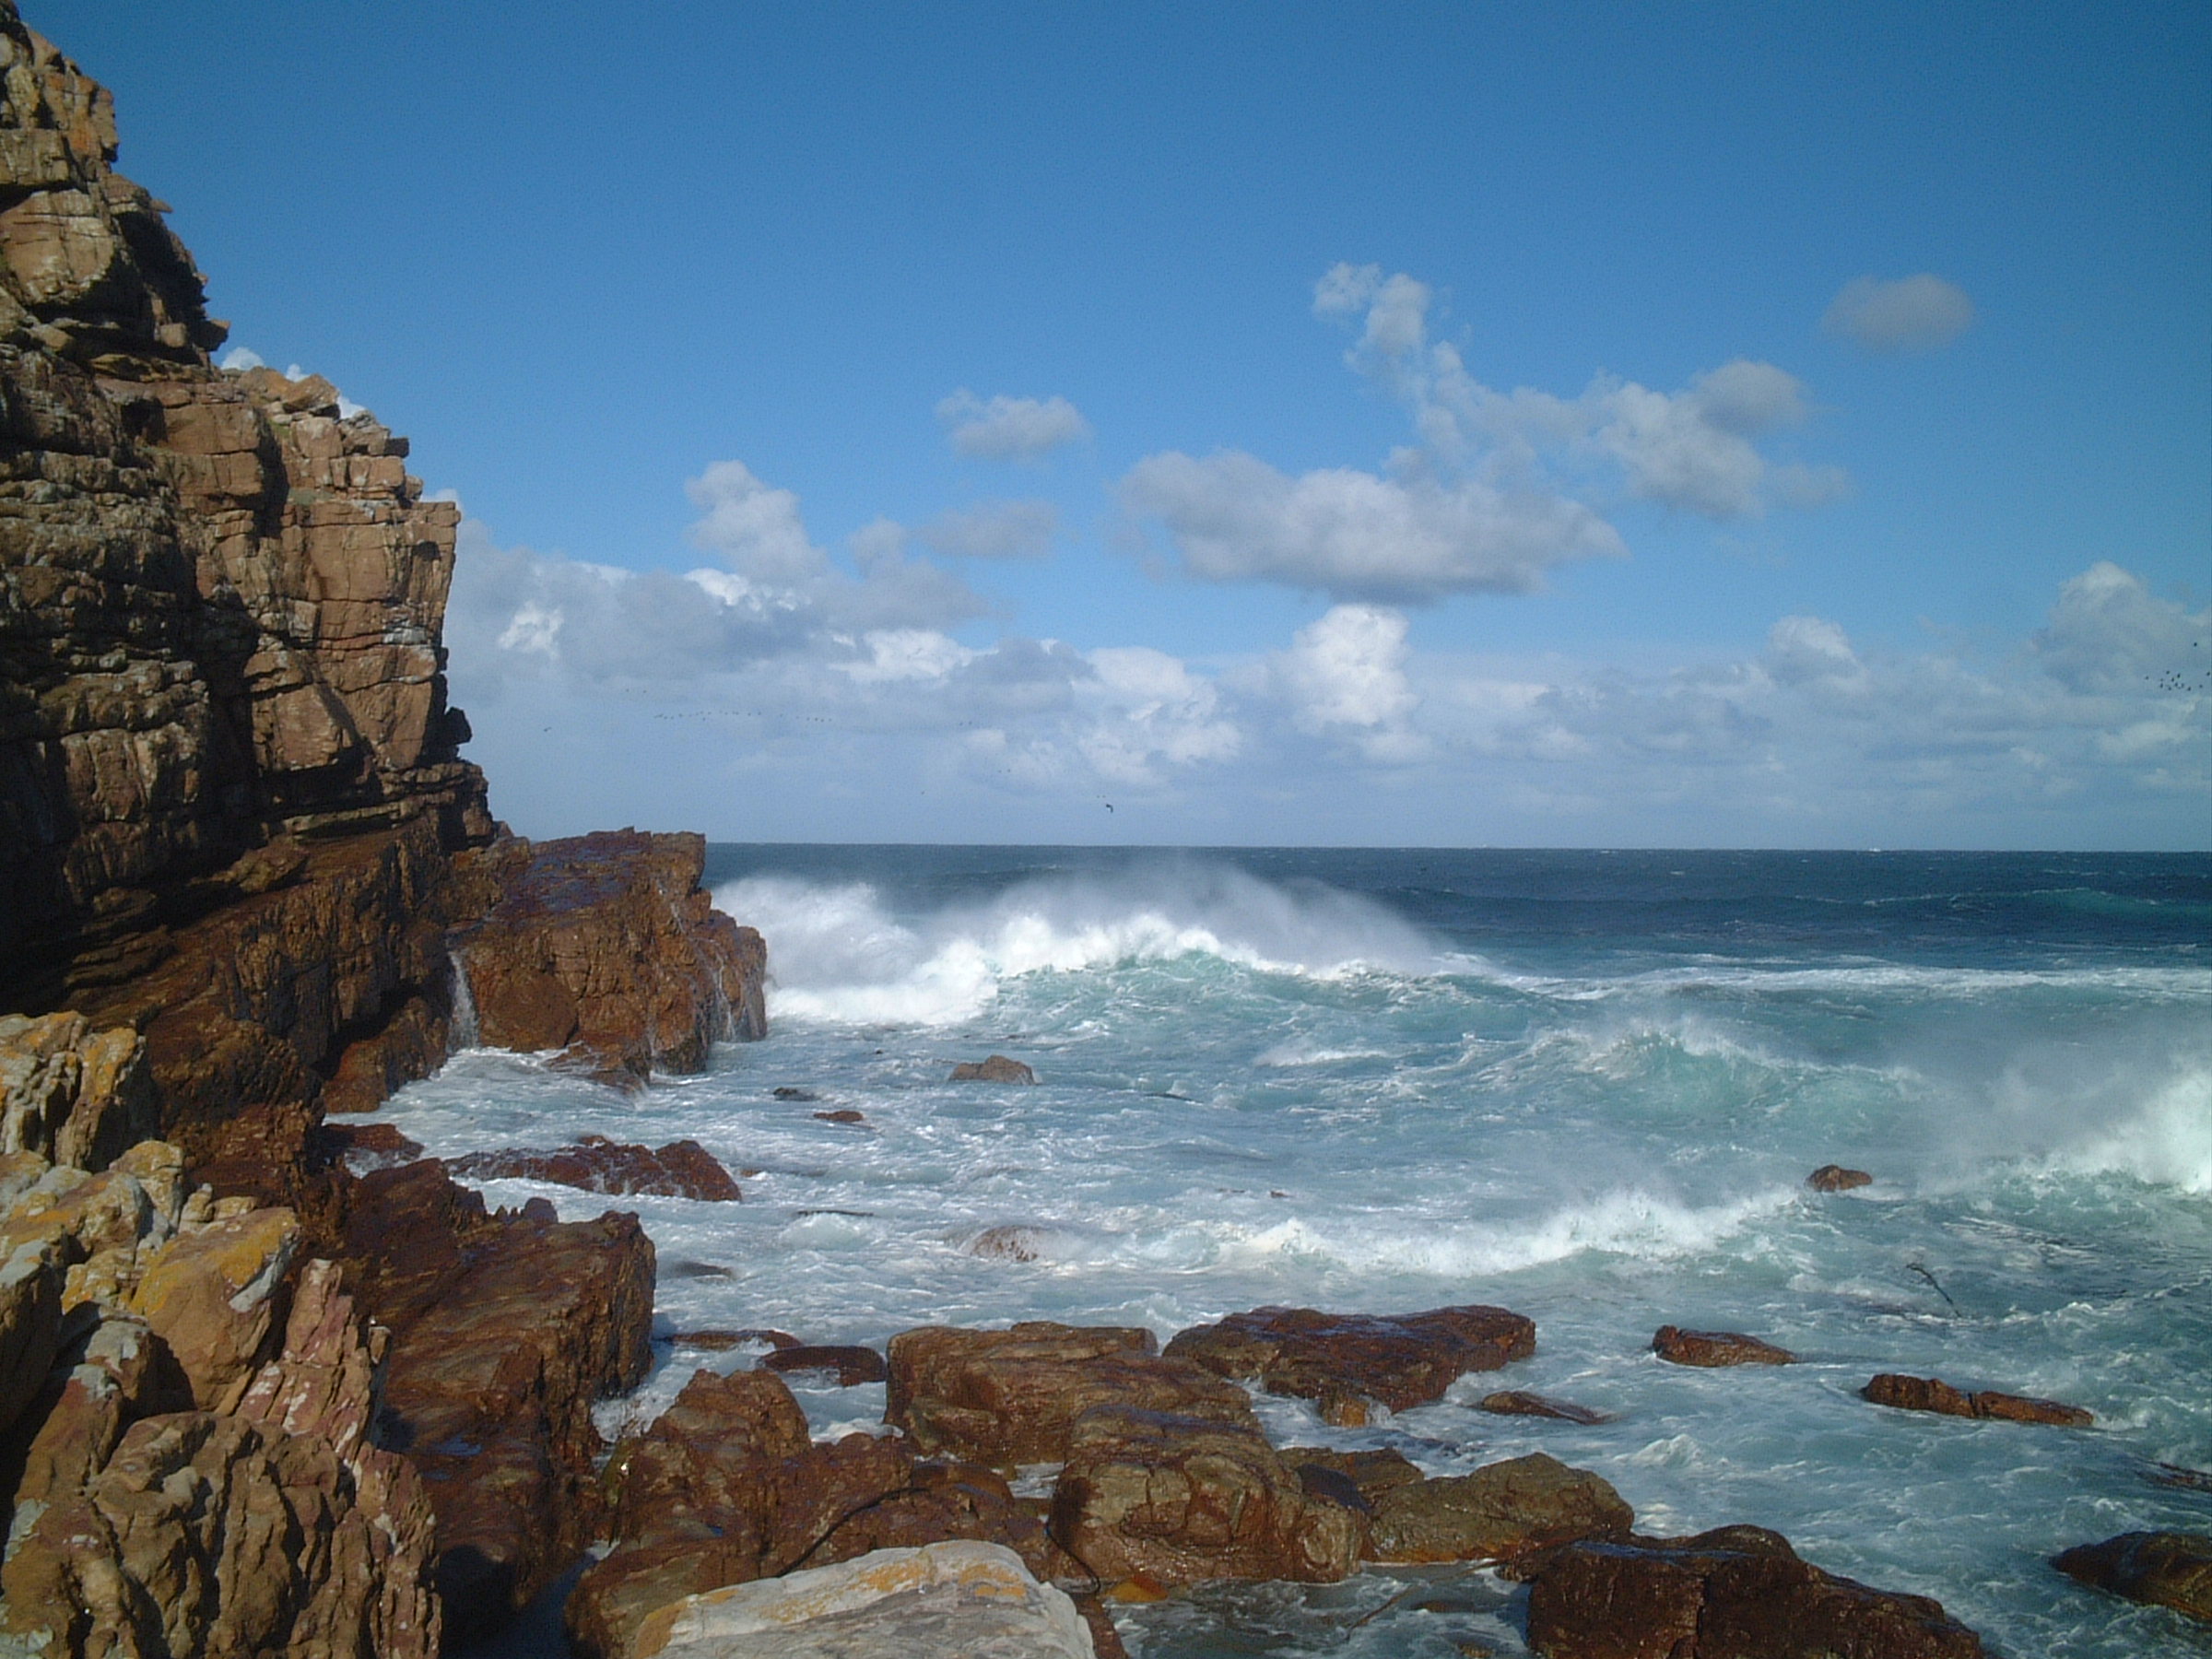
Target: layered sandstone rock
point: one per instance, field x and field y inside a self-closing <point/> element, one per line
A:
<point x="1507" y="1512"/>
<point x="1340" y="1359"/>
<point x="1736" y="1591"/>
<point x="605" y="947"/>
<point x="506" y="1328"/>
<point x="2167" y="1569"/>
<point x="189" y="1470"/>
<point x="1010" y="1397"/>
<point x="70" y="1093"/>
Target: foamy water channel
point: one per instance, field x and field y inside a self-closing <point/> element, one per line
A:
<point x="1577" y="1085"/>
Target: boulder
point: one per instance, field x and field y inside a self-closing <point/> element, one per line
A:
<point x="368" y="1145"/>
<point x="960" y="1600"/>
<point x="74" y="1095"/>
<point x="606" y="947"/>
<point x="1185" y="1498"/>
<point x="850" y="1366"/>
<point x="682" y="1169"/>
<point x="1515" y="1401"/>
<point x="1724" y="1594"/>
<point x="217" y="1295"/>
<point x="1399" y="1360"/>
<point x="1010" y="1397"/>
<point x="1508" y="1512"/>
<point x="1679" y="1346"/>
<point x="1835" y="1178"/>
<point x="1008" y="1242"/>
<point x="998" y="1068"/>
<point x="944" y="1500"/>
<point x="1369" y="1473"/>
<point x="1932" y="1394"/>
<point x="843" y="1114"/>
<point x="2167" y="1569"/>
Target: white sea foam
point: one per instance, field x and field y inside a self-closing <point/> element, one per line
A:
<point x="840" y="955"/>
<point x="2166" y="1143"/>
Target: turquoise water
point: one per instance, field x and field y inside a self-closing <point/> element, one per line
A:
<point x="1585" y="1086"/>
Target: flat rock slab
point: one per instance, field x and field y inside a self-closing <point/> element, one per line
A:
<point x="2167" y="1569"/>
<point x="1724" y="1594"/>
<point x="959" y="1600"/>
<point x="1679" y="1346"/>
<point x="1010" y="1397"/>
<point x="1506" y="1511"/>
<point x="682" y="1169"/>
<point x="1932" y="1394"/>
<point x="1400" y="1360"/>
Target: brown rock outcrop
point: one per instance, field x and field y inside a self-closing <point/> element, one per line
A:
<point x="682" y="1169"/>
<point x="1185" y="1498"/>
<point x="2167" y="1569"/>
<point x="1401" y="1361"/>
<point x="1010" y="1397"/>
<point x="1679" y="1346"/>
<point x="1509" y="1511"/>
<point x="73" y="1095"/>
<point x="506" y="1328"/>
<point x="1721" y="1595"/>
<point x="605" y="946"/>
<point x="998" y="1068"/>
<point x="1932" y="1394"/>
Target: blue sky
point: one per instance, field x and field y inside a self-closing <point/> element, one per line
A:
<point x="1426" y="424"/>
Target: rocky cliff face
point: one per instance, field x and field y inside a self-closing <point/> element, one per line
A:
<point x="240" y="856"/>
<point x="220" y="595"/>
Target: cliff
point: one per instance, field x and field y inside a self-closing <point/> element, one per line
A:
<point x="248" y="1403"/>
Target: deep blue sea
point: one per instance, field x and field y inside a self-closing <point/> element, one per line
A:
<point x="1587" y="1085"/>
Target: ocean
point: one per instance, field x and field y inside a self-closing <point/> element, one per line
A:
<point x="1586" y="1086"/>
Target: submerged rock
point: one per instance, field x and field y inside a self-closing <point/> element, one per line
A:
<point x="2167" y="1569"/>
<point x="682" y="1169"/>
<point x="1515" y="1401"/>
<point x="952" y="1599"/>
<point x="1932" y="1394"/>
<point x="850" y="1366"/>
<point x="1679" y="1346"/>
<point x="1008" y="1242"/>
<point x="1400" y="1360"/>
<point x="998" y="1068"/>
<point x="1726" y="1595"/>
<point x="1835" y="1178"/>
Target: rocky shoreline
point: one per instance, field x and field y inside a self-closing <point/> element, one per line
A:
<point x="272" y="1383"/>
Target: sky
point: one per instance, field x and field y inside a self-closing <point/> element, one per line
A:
<point x="1468" y="424"/>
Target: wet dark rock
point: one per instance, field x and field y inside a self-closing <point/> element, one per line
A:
<point x="2174" y="1474"/>
<point x="1730" y="1593"/>
<point x="2164" y="1569"/>
<point x="368" y="1145"/>
<point x="843" y="1114"/>
<point x="1007" y="1243"/>
<point x="786" y="1092"/>
<point x="1679" y="1346"/>
<point x="1932" y="1394"/>
<point x="716" y="1342"/>
<point x="682" y="1169"/>
<point x="1835" y="1178"/>
<point x="1372" y="1473"/>
<point x="1507" y="1512"/>
<point x="1516" y="1402"/>
<point x="944" y="1500"/>
<point x="998" y="1068"/>
<point x="1400" y="1360"/>
<point x="695" y="1270"/>
<point x="1010" y="1397"/>
<point x="851" y="1366"/>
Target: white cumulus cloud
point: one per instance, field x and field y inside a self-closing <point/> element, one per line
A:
<point x="1010" y="429"/>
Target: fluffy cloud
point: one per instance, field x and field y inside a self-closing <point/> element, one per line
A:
<point x="1010" y="429"/>
<point x="1346" y="673"/>
<point x="1234" y="517"/>
<point x="994" y="530"/>
<point x="1912" y="314"/>
<point x="1496" y="490"/>
<point x="2109" y="633"/>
